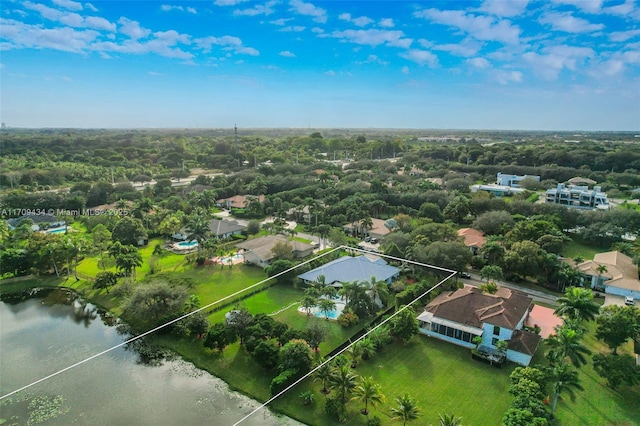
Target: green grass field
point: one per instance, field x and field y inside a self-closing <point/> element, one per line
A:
<point x="575" y="248"/>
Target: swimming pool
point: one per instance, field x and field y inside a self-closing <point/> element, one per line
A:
<point x="188" y="244"/>
<point x="60" y="230"/>
<point x="333" y="314"/>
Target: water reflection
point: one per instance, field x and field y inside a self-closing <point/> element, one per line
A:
<point x="44" y="332"/>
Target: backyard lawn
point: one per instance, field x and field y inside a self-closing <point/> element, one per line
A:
<point x="575" y="248"/>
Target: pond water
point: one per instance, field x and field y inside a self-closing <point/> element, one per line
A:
<point x="52" y="329"/>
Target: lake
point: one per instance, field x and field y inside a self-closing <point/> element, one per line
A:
<point x="51" y="329"/>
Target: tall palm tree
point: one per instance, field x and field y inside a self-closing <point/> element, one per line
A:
<point x="347" y="290"/>
<point x="366" y="223"/>
<point x="368" y="392"/>
<point x="198" y="229"/>
<point x="567" y="343"/>
<point x="379" y="290"/>
<point x="450" y="420"/>
<point x="343" y="380"/>
<point x="563" y="379"/>
<point x="308" y="302"/>
<point x="128" y="260"/>
<point x="354" y="353"/>
<point x="577" y="304"/>
<point x="326" y="306"/>
<point x="405" y="410"/>
<point x="323" y="374"/>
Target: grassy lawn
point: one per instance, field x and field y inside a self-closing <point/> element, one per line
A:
<point x="575" y="248"/>
<point x="441" y="377"/>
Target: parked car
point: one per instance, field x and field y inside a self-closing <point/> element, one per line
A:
<point x="464" y="275"/>
<point x="368" y="239"/>
<point x="628" y="300"/>
<point x="374" y="241"/>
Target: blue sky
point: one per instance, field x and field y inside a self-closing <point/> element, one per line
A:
<point x="497" y="64"/>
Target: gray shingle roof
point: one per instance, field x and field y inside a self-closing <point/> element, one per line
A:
<point x="349" y="269"/>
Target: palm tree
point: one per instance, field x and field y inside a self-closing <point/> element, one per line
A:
<point x="567" y="343"/>
<point x="308" y="302"/>
<point x="193" y="302"/>
<point x="368" y="392"/>
<point x="323" y="374"/>
<point x="128" y="260"/>
<point x="366" y="223"/>
<point x="326" y="306"/>
<point x="347" y="290"/>
<point x="601" y="269"/>
<point x="367" y="347"/>
<point x="198" y="229"/>
<point x="577" y="304"/>
<point x="343" y="380"/>
<point x="450" y="420"/>
<point x="354" y="353"/>
<point x="405" y="410"/>
<point x="379" y="290"/>
<point x="563" y="379"/>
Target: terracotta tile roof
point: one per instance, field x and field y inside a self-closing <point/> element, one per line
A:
<point x="471" y="307"/>
<point x="472" y="237"/>
<point x="238" y="201"/>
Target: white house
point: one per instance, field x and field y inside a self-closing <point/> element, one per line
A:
<point x="459" y="316"/>
<point x="514" y="180"/>
<point x="578" y="197"/>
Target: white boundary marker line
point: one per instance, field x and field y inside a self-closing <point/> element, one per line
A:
<point x="153" y="330"/>
<point x="282" y="392"/>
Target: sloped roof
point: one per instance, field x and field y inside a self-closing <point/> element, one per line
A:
<point x="350" y="269"/>
<point x="472" y="307"/>
<point x="222" y="227"/>
<point x="262" y="246"/>
<point x="524" y="342"/>
<point x="239" y="201"/>
<point x="621" y="271"/>
<point x="472" y="237"/>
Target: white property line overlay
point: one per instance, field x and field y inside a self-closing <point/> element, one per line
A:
<point x="282" y="392"/>
<point x="153" y="330"/>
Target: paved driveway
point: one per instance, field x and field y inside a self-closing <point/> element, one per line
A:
<point x="612" y="299"/>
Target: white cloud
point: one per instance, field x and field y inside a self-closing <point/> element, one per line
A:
<point x="168" y="8"/>
<point x="624" y="9"/>
<point x="479" y="27"/>
<point x="386" y="23"/>
<point x="192" y="10"/>
<point x="623" y="35"/>
<point x="68" y="4"/>
<point x="90" y="7"/>
<point x="20" y="35"/>
<point x="553" y="60"/>
<point x="155" y="74"/>
<point x="374" y="59"/>
<point x="467" y="47"/>
<point x="344" y="17"/>
<point x="330" y="73"/>
<point x="316" y="13"/>
<point x="317" y="30"/>
<point x="281" y="21"/>
<point x="422" y="57"/>
<point x="592" y="6"/>
<point x="99" y="23"/>
<point x="290" y="29"/>
<point x="228" y="2"/>
<point x="362" y="21"/>
<point x="287" y="54"/>
<point x="480" y="63"/>
<point x="227" y="43"/>
<point x="67" y="78"/>
<point x="506" y="77"/>
<point x="259" y="9"/>
<point x="405" y="70"/>
<point x="565" y="21"/>
<point x="133" y="29"/>
<point x="374" y="37"/>
<point x="506" y="8"/>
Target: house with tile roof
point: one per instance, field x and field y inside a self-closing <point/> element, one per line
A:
<point x="459" y="316"/>
<point x="237" y="201"/>
<point x="613" y="272"/>
<point x="378" y="230"/>
<point x="473" y="239"/>
<point x="351" y="269"/>
<point x="259" y="251"/>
